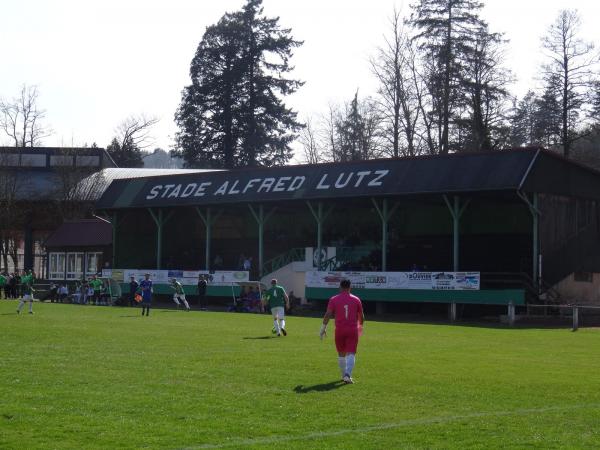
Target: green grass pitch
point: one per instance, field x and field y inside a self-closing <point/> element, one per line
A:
<point x="74" y="377"/>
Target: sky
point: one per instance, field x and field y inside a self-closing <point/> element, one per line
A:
<point x="97" y="62"/>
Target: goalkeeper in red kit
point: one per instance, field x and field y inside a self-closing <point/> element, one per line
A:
<point x="349" y="318"/>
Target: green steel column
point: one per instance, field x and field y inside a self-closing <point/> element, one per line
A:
<point x="456" y="233"/>
<point x="536" y="251"/>
<point x="384" y="214"/>
<point x="159" y="221"/>
<point x="320" y="217"/>
<point x="159" y="229"/>
<point x="319" y="235"/>
<point x="261" y="229"/>
<point x="208" y="227"/>
<point x="456" y="210"/>
<point x="208" y="220"/>
<point x="384" y="235"/>
<point x="115" y="219"/>
<point x="261" y="220"/>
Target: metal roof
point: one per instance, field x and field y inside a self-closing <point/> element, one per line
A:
<point x="526" y="170"/>
<point x="92" y="187"/>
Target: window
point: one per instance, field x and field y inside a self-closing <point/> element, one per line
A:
<point x="30" y="160"/>
<point x="85" y="161"/>
<point x="57" y="266"/>
<point x="74" y="266"/>
<point x="61" y="160"/>
<point x="93" y="263"/>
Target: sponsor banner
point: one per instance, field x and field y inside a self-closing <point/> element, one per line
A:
<point x="185" y="277"/>
<point x="396" y="280"/>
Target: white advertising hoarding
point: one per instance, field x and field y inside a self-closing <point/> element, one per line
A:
<point x="187" y="277"/>
<point x="396" y="280"/>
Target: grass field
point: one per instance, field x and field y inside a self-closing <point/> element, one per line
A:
<point x="98" y="377"/>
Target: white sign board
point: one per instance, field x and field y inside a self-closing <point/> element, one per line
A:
<point x="183" y="276"/>
<point x="396" y="280"/>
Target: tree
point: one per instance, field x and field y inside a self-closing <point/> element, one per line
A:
<point x="570" y="68"/>
<point x="312" y="148"/>
<point x="233" y="113"/>
<point x="445" y="31"/>
<point x="132" y="136"/>
<point x="523" y="121"/>
<point x="356" y="135"/>
<point x="483" y="82"/>
<point x="21" y="119"/>
<point x="399" y="89"/>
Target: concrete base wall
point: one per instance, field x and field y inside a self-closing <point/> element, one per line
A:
<point x="580" y="292"/>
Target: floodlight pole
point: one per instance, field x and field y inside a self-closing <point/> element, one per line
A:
<point x="208" y="220"/>
<point x="320" y="218"/>
<point x="385" y="215"/>
<point x="160" y="221"/>
<point x="456" y="210"/>
<point x="261" y="220"/>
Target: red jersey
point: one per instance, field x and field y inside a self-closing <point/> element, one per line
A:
<point x="346" y="308"/>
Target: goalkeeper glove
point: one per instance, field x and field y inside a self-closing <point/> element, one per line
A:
<point x="323" y="331"/>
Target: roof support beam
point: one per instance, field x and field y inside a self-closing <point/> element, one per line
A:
<point x="320" y="217"/>
<point x="160" y="220"/>
<point x="456" y="210"/>
<point x="209" y="219"/>
<point x="385" y="214"/>
<point x="533" y="206"/>
<point x="261" y="219"/>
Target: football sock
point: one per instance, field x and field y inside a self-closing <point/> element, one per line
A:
<point x="20" y="307"/>
<point x="282" y="323"/>
<point x="342" y="365"/>
<point x="30" y="306"/>
<point x="187" y="306"/>
<point x="276" y="322"/>
<point x="349" y="363"/>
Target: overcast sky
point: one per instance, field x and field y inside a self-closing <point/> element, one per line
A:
<point x="96" y="63"/>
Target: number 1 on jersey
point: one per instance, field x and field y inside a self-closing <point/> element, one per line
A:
<point x="346" y="310"/>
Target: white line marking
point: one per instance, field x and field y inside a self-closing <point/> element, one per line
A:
<point x="387" y="426"/>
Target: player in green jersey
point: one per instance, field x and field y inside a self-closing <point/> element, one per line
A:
<point x="277" y="299"/>
<point x="179" y="294"/>
<point x="27" y="282"/>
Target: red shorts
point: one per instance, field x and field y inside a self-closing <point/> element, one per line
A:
<point x="346" y="340"/>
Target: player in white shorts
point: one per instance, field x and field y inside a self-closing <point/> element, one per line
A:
<point x="179" y="295"/>
<point x="278" y="301"/>
<point x="27" y="281"/>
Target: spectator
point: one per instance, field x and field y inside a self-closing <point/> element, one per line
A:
<point x="3" y="282"/>
<point x="78" y="294"/>
<point x="96" y="286"/>
<point x="7" y="287"/>
<point x="53" y="294"/>
<point x="12" y="285"/>
<point x="133" y="288"/>
<point x="63" y="293"/>
<point x="294" y="302"/>
<point x="202" y="285"/>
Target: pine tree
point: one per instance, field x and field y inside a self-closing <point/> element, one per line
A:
<point x="233" y="114"/>
<point x="125" y="155"/>
<point x="446" y="31"/>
